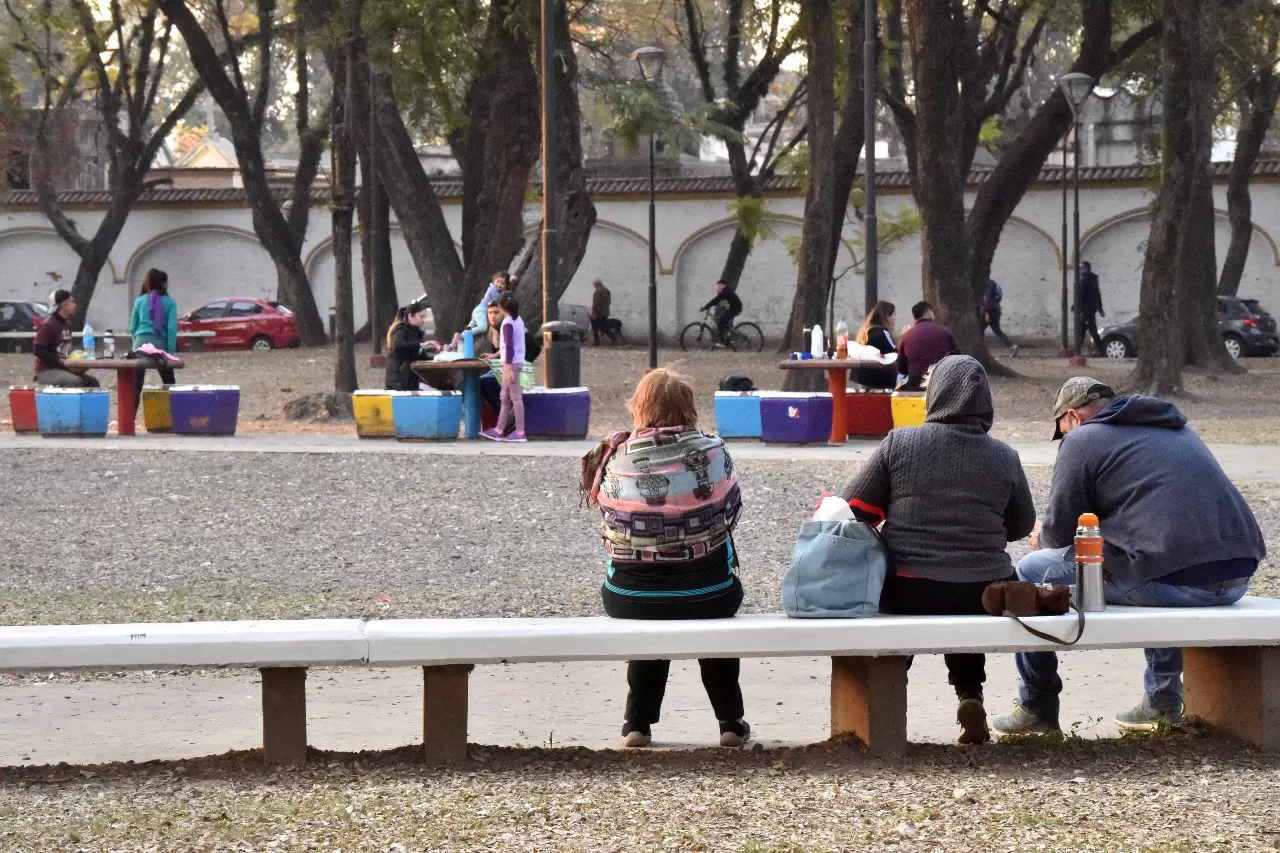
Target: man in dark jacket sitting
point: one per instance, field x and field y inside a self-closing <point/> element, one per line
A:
<point x="951" y="497"/>
<point x="1177" y="534"/>
<point x="924" y="345"/>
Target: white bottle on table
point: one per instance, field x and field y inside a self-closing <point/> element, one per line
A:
<point x="88" y="341"/>
<point x="817" y="344"/>
<point x="109" y="345"/>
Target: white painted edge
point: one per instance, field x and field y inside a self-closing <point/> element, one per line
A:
<point x="426" y="642"/>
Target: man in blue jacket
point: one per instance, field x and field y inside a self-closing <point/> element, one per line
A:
<point x="1177" y="533"/>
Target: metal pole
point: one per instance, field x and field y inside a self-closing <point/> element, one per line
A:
<point x="1075" y="227"/>
<point x="870" y="79"/>
<point x="1066" y="251"/>
<point x="550" y="184"/>
<point x="653" y="264"/>
<point x="375" y="217"/>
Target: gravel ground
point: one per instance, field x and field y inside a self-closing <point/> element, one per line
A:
<point x="174" y="536"/>
<point x="1178" y="794"/>
<point x="1240" y="409"/>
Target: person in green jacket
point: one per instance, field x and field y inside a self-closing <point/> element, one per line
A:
<point x="154" y="320"/>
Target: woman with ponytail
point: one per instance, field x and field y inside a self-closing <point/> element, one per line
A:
<point x="404" y="346"/>
<point x="154" y="320"/>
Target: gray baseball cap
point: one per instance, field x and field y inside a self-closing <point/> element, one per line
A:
<point x="1076" y="392"/>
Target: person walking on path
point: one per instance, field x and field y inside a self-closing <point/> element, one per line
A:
<point x="951" y="497"/>
<point x="1090" y="306"/>
<point x="992" y="296"/>
<point x="1177" y="533"/>
<point x="669" y="501"/>
<point x="513" y="350"/>
<point x="922" y="346"/>
<point x="154" y="320"/>
<point x="601" y="302"/>
<point x="52" y="346"/>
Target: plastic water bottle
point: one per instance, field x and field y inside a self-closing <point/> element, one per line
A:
<point x="109" y="345"/>
<point x="1090" y="596"/>
<point x="88" y="342"/>
<point x="817" y="344"/>
<point x="842" y="339"/>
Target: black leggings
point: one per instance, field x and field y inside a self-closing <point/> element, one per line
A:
<point x="647" y="679"/>
<point x="922" y="597"/>
<point x="166" y="378"/>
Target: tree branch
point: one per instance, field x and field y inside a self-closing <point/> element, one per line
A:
<point x="732" y="49"/>
<point x="266" y="32"/>
<point x="1011" y="79"/>
<point x="698" y="52"/>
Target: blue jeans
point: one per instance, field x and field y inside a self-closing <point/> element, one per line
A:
<point x="1038" y="681"/>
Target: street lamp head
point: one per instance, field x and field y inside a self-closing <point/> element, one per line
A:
<point x="650" y="59"/>
<point x="1076" y="87"/>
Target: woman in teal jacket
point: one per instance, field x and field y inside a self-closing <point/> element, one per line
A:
<point x="154" y="320"/>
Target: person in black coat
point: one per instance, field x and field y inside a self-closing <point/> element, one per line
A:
<point x="404" y="346"/>
<point x="877" y="331"/>
<point x="1090" y="305"/>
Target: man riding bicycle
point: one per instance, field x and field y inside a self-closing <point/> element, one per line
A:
<point x="732" y="307"/>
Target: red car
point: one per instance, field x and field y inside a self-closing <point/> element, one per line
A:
<point x="242" y="324"/>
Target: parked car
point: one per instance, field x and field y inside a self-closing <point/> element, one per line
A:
<point x="1247" y="329"/>
<point x="242" y="324"/>
<point x="20" y="317"/>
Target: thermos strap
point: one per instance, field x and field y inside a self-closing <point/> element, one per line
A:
<point x="1045" y="636"/>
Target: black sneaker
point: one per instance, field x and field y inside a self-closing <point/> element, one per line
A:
<point x="635" y="736"/>
<point x="734" y="732"/>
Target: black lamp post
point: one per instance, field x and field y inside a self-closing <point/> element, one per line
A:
<point x="650" y="60"/>
<point x="1076" y="87"/>
<point x="870" y="79"/>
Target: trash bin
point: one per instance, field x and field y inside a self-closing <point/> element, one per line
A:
<point x="562" y="349"/>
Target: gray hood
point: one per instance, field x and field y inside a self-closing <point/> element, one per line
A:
<point x="958" y="394"/>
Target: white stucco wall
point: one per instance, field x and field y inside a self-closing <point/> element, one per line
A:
<point x="210" y="252"/>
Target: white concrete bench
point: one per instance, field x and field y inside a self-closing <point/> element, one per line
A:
<point x="1232" y="658"/>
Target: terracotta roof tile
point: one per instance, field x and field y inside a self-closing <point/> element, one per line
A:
<point x="451" y="187"/>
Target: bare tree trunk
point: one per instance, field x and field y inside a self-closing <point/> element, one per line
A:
<point x="269" y="223"/>
<point x="1171" y="267"/>
<point x="739" y="251"/>
<point x="343" y="163"/>
<point x="850" y="136"/>
<point x="1257" y="106"/>
<point x="940" y="174"/>
<point x="815" y="247"/>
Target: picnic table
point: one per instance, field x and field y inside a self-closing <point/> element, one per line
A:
<point x="837" y="373"/>
<point x="127" y="370"/>
<point x="461" y="373"/>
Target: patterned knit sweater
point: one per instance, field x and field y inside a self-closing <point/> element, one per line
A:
<point x="667" y="495"/>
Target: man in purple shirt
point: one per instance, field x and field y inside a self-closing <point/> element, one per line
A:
<point x="925" y="344"/>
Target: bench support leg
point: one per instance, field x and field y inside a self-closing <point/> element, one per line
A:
<point x="1237" y="690"/>
<point x="444" y="717"/>
<point x="869" y="700"/>
<point x="284" y="715"/>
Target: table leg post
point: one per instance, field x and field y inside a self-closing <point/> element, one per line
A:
<point x="869" y="701"/>
<point x="471" y="404"/>
<point x="839" y="421"/>
<point x="127" y="380"/>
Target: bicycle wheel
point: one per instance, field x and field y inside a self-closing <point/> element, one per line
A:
<point x="748" y="337"/>
<point x="697" y="335"/>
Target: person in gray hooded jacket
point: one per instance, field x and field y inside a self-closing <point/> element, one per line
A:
<point x="1177" y="533"/>
<point x="950" y="498"/>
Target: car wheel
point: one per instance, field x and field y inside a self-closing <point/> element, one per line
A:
<point x="1117" y="348"/>
<point x="261" y="342"/>
<point x="1234" y="345"/>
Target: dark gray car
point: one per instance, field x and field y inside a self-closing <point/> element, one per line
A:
<point x="20" y="316"/>
<point x="1247" y="329"/>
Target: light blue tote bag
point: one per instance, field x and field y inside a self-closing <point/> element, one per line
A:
<point x="837" y="571"/>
